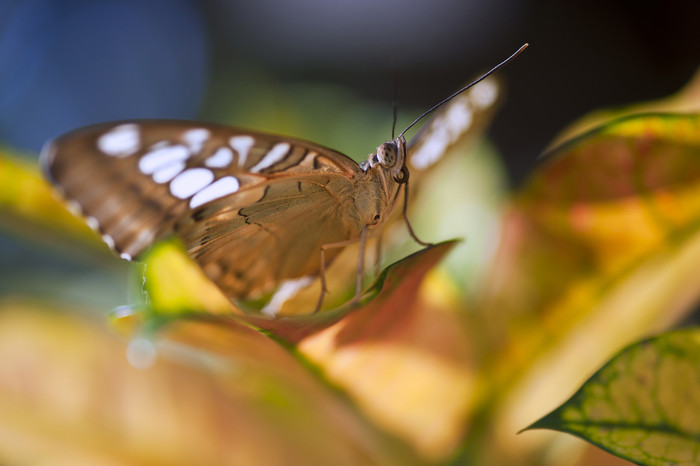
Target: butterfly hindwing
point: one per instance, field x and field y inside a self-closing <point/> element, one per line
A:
<point x="135" y="181"/>
<point x="247" y="247"/>
<point x="462" y="117"/>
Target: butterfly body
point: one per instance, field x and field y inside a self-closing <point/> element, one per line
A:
<point x="252" y="209"/>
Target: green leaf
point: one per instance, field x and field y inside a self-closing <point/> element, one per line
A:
<point x="643" y="405"/>
<point x="174" y="284"/>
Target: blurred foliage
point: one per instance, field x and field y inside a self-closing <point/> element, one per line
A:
<point x="28" y="205"/>
<point x="597" y="250"/>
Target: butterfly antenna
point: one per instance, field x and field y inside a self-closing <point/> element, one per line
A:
<point x="395" y="103"/>
<point x="473" y="83"/>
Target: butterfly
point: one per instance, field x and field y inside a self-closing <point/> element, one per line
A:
<point x="253" y="209"/>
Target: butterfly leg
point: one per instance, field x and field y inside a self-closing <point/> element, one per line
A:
<point x="324" y="290"/>
<point x="378" y="255"/>
<point x="405" y="217"/>
<point x="360" y="265"/>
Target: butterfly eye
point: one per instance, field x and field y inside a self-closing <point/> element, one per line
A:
<point x="386" y="154"/>
<point x="402" y="176"/>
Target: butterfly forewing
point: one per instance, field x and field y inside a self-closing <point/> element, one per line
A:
<point x="231" y="195"/>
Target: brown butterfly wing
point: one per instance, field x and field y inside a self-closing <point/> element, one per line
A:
<point x="249" y="244"/>
<point x="136" y="181"/>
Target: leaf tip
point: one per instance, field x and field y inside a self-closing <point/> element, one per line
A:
<point x="546" y="422"/>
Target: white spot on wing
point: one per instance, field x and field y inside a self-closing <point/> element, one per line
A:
<point x="74" y="208"/>
<point x="120" y="141"/>
<point x="242" y="145"/>
<point x="308" y="159"/>
<point x="195" y="138"/>
<point x="190" y="182"/>
<point x="48" y="153"/>
<point x="160" y="158"/>
<point x="484" y="94"/>
<point x="444" y="131"/>
<point x="275" y="154"/>
<point x="285" y="291"/>
<point x="109" y="240"/>
<point x="220" y="188"/>
<point x="168" y="172"/>
<point x="459" y="118"/>
<point x="144" y="237"/>
<point x="221" y="158"/>
<point x="125" y="256"/>
<point x="93" y="223"/>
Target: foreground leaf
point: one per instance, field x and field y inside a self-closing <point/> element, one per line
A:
<point x="224" y="395"/>
<point x="643" y="405"/>
<point x="405" y="357"/>
<point x="29" y="208"/>
<point x="174" y="284"/>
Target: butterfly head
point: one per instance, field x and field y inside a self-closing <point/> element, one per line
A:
<point x="390" y="156"/>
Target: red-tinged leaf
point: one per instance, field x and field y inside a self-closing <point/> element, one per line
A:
<point x="602" y="204"/>
<point x="405" y="359"/>
<point x="400" y="280"/>
<point x="598" y="209"/>
<point x="600" y="248"/>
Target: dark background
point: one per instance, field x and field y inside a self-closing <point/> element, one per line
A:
<point x="66" y="63"/>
